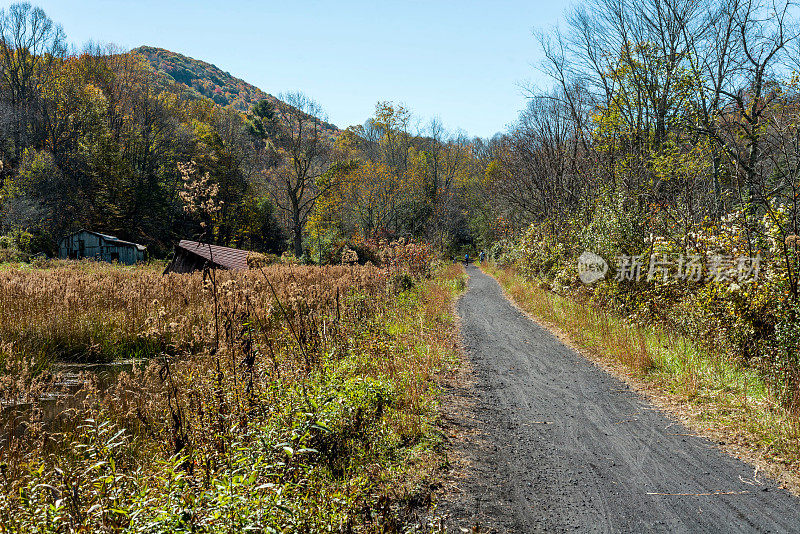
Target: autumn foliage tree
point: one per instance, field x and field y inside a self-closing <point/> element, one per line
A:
<point x="304" y="155"/>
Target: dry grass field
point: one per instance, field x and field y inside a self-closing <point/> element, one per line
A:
<point x="287" y="398"/>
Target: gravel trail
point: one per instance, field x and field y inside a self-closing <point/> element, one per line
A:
<point x="560" y="445"/>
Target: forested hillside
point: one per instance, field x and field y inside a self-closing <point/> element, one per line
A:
<point x="206" y="80"/>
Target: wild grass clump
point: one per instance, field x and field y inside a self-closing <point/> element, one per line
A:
<point x="288" y="398"/>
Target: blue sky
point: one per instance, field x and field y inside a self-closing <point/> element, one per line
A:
<point x="463" y="61"/>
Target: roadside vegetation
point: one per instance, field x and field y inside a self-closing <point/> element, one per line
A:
<point x="289" y="398"/>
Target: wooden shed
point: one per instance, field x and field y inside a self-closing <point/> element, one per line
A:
<point x="89" y="244"/>
<point x="193" y="256"/>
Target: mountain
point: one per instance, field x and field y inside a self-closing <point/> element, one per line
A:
<point x="203" y="79"/>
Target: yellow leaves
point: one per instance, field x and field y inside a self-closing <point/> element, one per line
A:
<point x="609" y="126"/>
<point x="674" y="162"/>
<point x="323" y="217"/>
<point x="348" y="140"/>
<point x="493" y="172"/>
<point x="392" y="122"/>
<point x="365" y="196"/>
<point x="389" y="116"/>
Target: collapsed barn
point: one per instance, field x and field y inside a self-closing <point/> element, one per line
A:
<point x="193" y="256"/>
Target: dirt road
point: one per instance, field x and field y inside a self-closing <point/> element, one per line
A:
<point x="559" y="445"/>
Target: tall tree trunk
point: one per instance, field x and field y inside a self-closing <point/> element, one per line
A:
<point x="297" y="228"/>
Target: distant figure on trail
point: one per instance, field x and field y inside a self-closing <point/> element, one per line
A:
<point x="466" y="257"/>
<point x="483" y="256"/>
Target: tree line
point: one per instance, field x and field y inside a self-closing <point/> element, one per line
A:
<point x="97" y="139"/>
<point x="663" y="114"/>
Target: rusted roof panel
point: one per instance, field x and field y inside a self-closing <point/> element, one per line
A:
<point x="229" y="258"/>
<point x="115" y="240"/>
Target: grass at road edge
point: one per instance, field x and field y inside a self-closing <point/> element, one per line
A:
<point x="716" y="398"/>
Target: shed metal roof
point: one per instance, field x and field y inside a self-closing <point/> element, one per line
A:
<point x="230" y="258"/>
<point x="113" y="239"/>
